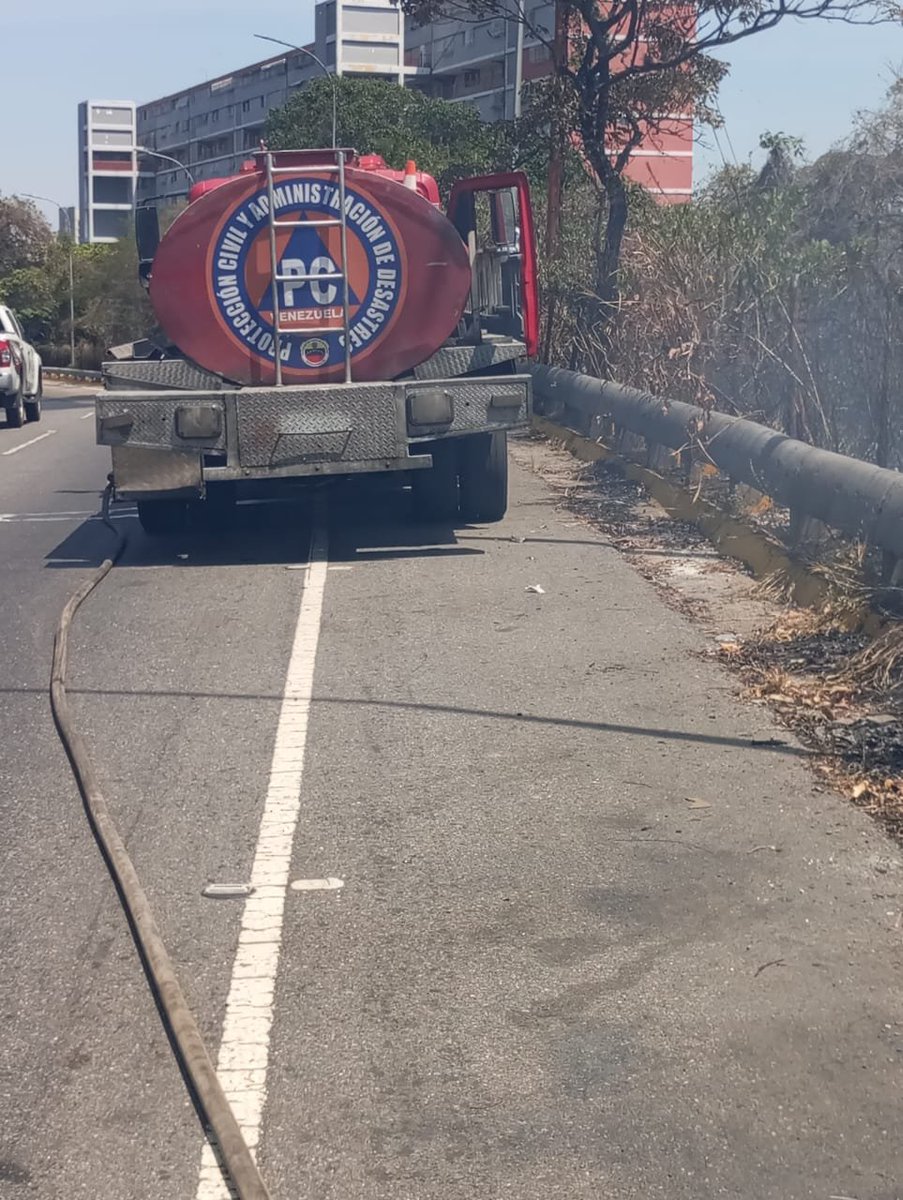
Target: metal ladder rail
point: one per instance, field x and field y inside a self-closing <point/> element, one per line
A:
<point x="346" y="322"/>
<point x="276" y="278"/>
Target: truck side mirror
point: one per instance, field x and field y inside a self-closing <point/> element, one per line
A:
<point x="147" y="239"/>
<point x="505" y="217"/>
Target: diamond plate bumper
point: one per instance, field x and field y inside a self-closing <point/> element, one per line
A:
<point x="301" y="431"/>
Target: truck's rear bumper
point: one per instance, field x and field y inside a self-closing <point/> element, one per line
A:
<point x="167" y="443"/>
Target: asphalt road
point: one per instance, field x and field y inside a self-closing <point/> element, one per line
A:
<point x="588" y="934"/>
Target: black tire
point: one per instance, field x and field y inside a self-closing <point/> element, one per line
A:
<point x="218" y="511"/>
<point x="15" y="414"/>
<point x="483" y="472"/>
<point x="162" y="518"/>
<point x="435" y="491"/>
<point x="33" y="403"/>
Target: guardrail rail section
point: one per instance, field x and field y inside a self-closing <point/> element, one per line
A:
<point x="846" y="494"/>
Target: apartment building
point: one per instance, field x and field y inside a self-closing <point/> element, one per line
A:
<point x="107" y="168"/>
<point x="212" y="127"/>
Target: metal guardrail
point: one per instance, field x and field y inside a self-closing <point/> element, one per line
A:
<point x="71" y="375"/>
<point x="847" y="494"/>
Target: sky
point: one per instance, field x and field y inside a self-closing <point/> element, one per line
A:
<point x="806" y="79"/>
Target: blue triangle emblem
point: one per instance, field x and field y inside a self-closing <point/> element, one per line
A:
<point x="305" y="249"/>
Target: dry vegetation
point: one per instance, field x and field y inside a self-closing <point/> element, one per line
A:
<point x="843" y="695"/>
<point x="777" y="295"/>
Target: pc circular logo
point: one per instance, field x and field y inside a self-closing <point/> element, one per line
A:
<point x="309" y="290"/>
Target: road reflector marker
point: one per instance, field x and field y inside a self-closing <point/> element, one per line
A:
<point x="227" y="891"/>
<point x="318" y="885"/>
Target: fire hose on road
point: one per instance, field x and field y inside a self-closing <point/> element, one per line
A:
<point x="182" y="1027"/>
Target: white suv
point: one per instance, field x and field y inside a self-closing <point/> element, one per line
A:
<point x="21" y="384"/>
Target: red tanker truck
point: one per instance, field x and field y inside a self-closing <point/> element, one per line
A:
<point x="321" y="315"/>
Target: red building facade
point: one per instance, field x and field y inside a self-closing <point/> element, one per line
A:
<point x="485" y="63"/>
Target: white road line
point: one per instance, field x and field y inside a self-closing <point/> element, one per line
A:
<point x="245" y="1045"/>
<point x="25" y="445"/>
<point x="123" y="514"/>
<point x="86" y="416"/>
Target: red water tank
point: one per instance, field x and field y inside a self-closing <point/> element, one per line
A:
<point x="408" y="274"/>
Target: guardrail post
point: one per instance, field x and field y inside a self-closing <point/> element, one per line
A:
<point x="578" y="421"/>
<point x="891" y="570"/>
<point x="597" y="427"/>
<point x="806" y="530"/>
<point x="797" y="527"/>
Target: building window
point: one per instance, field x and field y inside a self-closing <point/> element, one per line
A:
<point x="216" y="116"/>
<point x="471" y="77"/>
<point x="112" y="191"/>
<point x="246" y="106"/>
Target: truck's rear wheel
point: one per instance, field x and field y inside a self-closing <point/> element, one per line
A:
<point x="15" y="413"/>
<point x="162" y="518"/>
<point x="33" y="403"/>
<point x="435" y="491"/>
<point x="217" y="511"/>
<point x="483" y="475"/>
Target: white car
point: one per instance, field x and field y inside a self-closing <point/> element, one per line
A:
<point x="21" y="384"/>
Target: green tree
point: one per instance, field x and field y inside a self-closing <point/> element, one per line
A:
<point x="24" y="235"/>
<point x="111" y="305"/>
<point x="32" y="292"/>
<point x="375" y="117"/>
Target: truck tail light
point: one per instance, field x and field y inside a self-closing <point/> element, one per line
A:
<point x="6" y="354"/>
<point x="199" y="421"/>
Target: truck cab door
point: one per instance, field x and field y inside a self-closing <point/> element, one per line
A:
<point x="492" y="213"/>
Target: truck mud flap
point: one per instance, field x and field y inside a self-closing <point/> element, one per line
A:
<point x="138" y="471"/>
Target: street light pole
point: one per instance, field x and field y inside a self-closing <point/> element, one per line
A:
<point x="71" y="307"/>
<point x="56" y="203"/>
<point x="323" y="67"/>
<point x="165" y="158"/>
